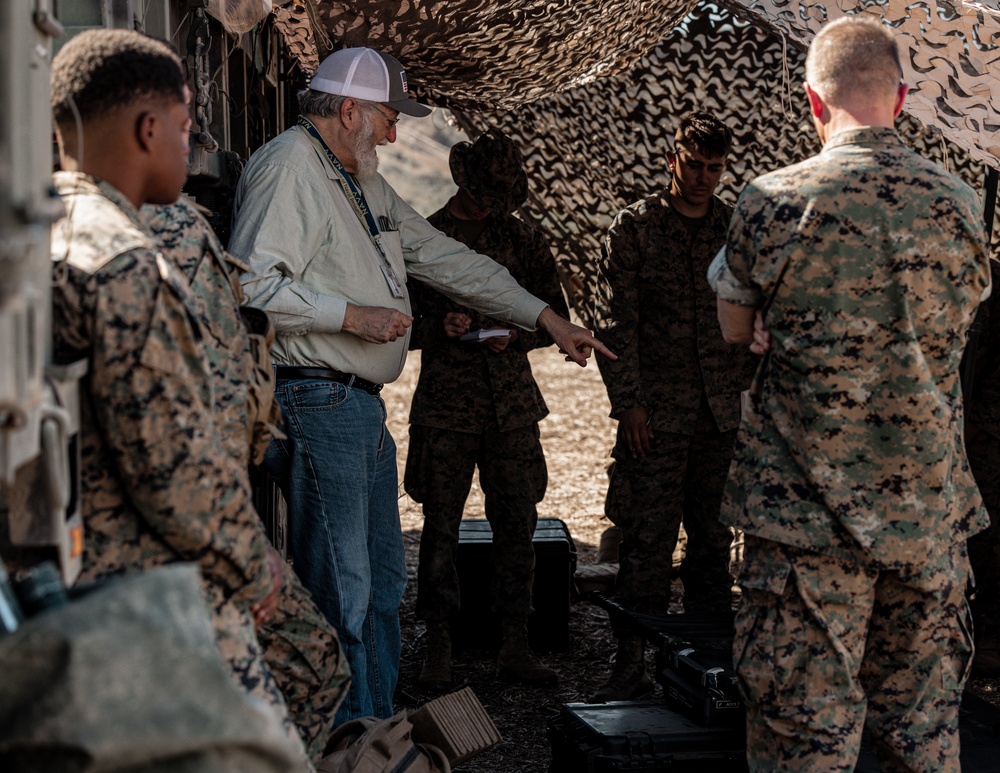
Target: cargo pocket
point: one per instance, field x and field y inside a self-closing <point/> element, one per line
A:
<point x="763" y="580"/>
<point x="944" y="616"/>
<point x="957" y="662"/>
<point x="618" y="496"/>
<point x="537" y="478"/>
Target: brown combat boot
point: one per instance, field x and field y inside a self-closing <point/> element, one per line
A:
<point x="435" y="675"/>
<point x="628" y="680"/>
<point x="516" y="662"/>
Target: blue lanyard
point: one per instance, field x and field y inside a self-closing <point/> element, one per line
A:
<point x="358" y="203"/>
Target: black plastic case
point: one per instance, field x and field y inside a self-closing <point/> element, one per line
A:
<point x="476" y="626"/>
<point x="641" y="736"/>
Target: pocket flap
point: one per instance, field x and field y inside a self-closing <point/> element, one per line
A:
<point x="767" y="573"/>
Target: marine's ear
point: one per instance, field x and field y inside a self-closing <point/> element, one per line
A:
<point x="901" y="92"/>
<point x="816" y="104"/>
<point x="145" y="129"/>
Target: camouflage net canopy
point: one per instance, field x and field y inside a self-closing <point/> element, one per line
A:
<point x="950" y="52"/>
<point x="486" y="54"/>
<point x="592" y="89"/>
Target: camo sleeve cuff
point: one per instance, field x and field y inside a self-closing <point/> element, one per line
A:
<point x="727" y="287"/>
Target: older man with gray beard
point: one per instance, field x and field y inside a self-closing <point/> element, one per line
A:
<point x="330" y="246"/>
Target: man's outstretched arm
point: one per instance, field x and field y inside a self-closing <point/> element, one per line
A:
<point x="574" y="341"/>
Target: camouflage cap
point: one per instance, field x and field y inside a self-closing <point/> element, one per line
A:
<point x="491" y="169"/>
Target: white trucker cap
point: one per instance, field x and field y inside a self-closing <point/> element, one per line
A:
<point x="364" y="73"/>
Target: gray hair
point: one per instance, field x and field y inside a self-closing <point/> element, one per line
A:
<point x="323" y="105"/>
<point x="319" y="103"/>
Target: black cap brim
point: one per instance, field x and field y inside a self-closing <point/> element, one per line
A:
<point x="409" y="107"/>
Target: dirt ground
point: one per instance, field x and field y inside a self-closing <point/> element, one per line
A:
<point x="577" y="437"/>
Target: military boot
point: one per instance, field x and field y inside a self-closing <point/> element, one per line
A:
<point x="628" y="680"/>
<point x="516" y="662"/>
<point x="435" y="675"/>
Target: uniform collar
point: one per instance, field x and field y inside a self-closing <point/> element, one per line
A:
<point x="864" y="135"/>
<point x="717" y="208"/>
<point x="79" y="183"/>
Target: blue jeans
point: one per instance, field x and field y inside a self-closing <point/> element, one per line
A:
<point x="337" y="469"/>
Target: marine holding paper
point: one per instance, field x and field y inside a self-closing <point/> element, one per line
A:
<point x="476" y="404"/>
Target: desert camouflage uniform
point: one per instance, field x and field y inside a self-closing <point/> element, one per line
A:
<point x="983" y="447"/>
<point x="661" y="321"/>
<point x="850" y="472"/>
<point x="157" y="482"/>
<point x="473" y="407"/>
<point x="300" y="646"/>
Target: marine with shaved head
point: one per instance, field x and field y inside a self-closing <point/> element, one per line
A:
<point x="857" y="274"/>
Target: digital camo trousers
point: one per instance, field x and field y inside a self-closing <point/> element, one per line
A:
<point x="512" y="474"/>
<point x="303" y="653"/>
<point x="680" y="480"/>
<point x="826" y="647"/>
<point x="242" y="653"/>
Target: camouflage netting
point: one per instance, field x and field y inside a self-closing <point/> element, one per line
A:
<point x="949" y="50"/>
<point x="595" y="149"/>
<point x="486" y="54"/>
<point x="128" y="679"/>
<point x="592" y="89"/>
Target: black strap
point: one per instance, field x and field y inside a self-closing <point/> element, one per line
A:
<point x="327" y="374"/>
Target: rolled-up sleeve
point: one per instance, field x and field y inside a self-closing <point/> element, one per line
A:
<point x="726" y="285"/>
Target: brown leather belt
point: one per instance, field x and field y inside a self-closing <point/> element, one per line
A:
<point x="328" y="374"/>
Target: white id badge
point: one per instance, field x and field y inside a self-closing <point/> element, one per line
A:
<point x="390" y="279"/>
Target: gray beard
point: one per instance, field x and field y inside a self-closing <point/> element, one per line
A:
<point x="367" y="165"/>
<point x="365" y="153"/>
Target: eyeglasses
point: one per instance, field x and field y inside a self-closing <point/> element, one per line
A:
<point x="392" y="121"/>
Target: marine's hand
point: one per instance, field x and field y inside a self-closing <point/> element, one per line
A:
<point x="574" y="341"/>
<point x="263" y="610"/>
<point x="456" y="324"/>
<point x="571" y="282"/>
<point x="497" y="345"/>
<point x="634" y="434"/>
<point x="761" y="338"/>
<point x="375" y="324"/>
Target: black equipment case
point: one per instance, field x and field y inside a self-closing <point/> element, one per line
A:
<point x="700" y="683"/>
<point x="694" y="666"/>
<point x="644" y="736"/>
<point x="476" y="626"/>
<point x="694" y="662"/>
